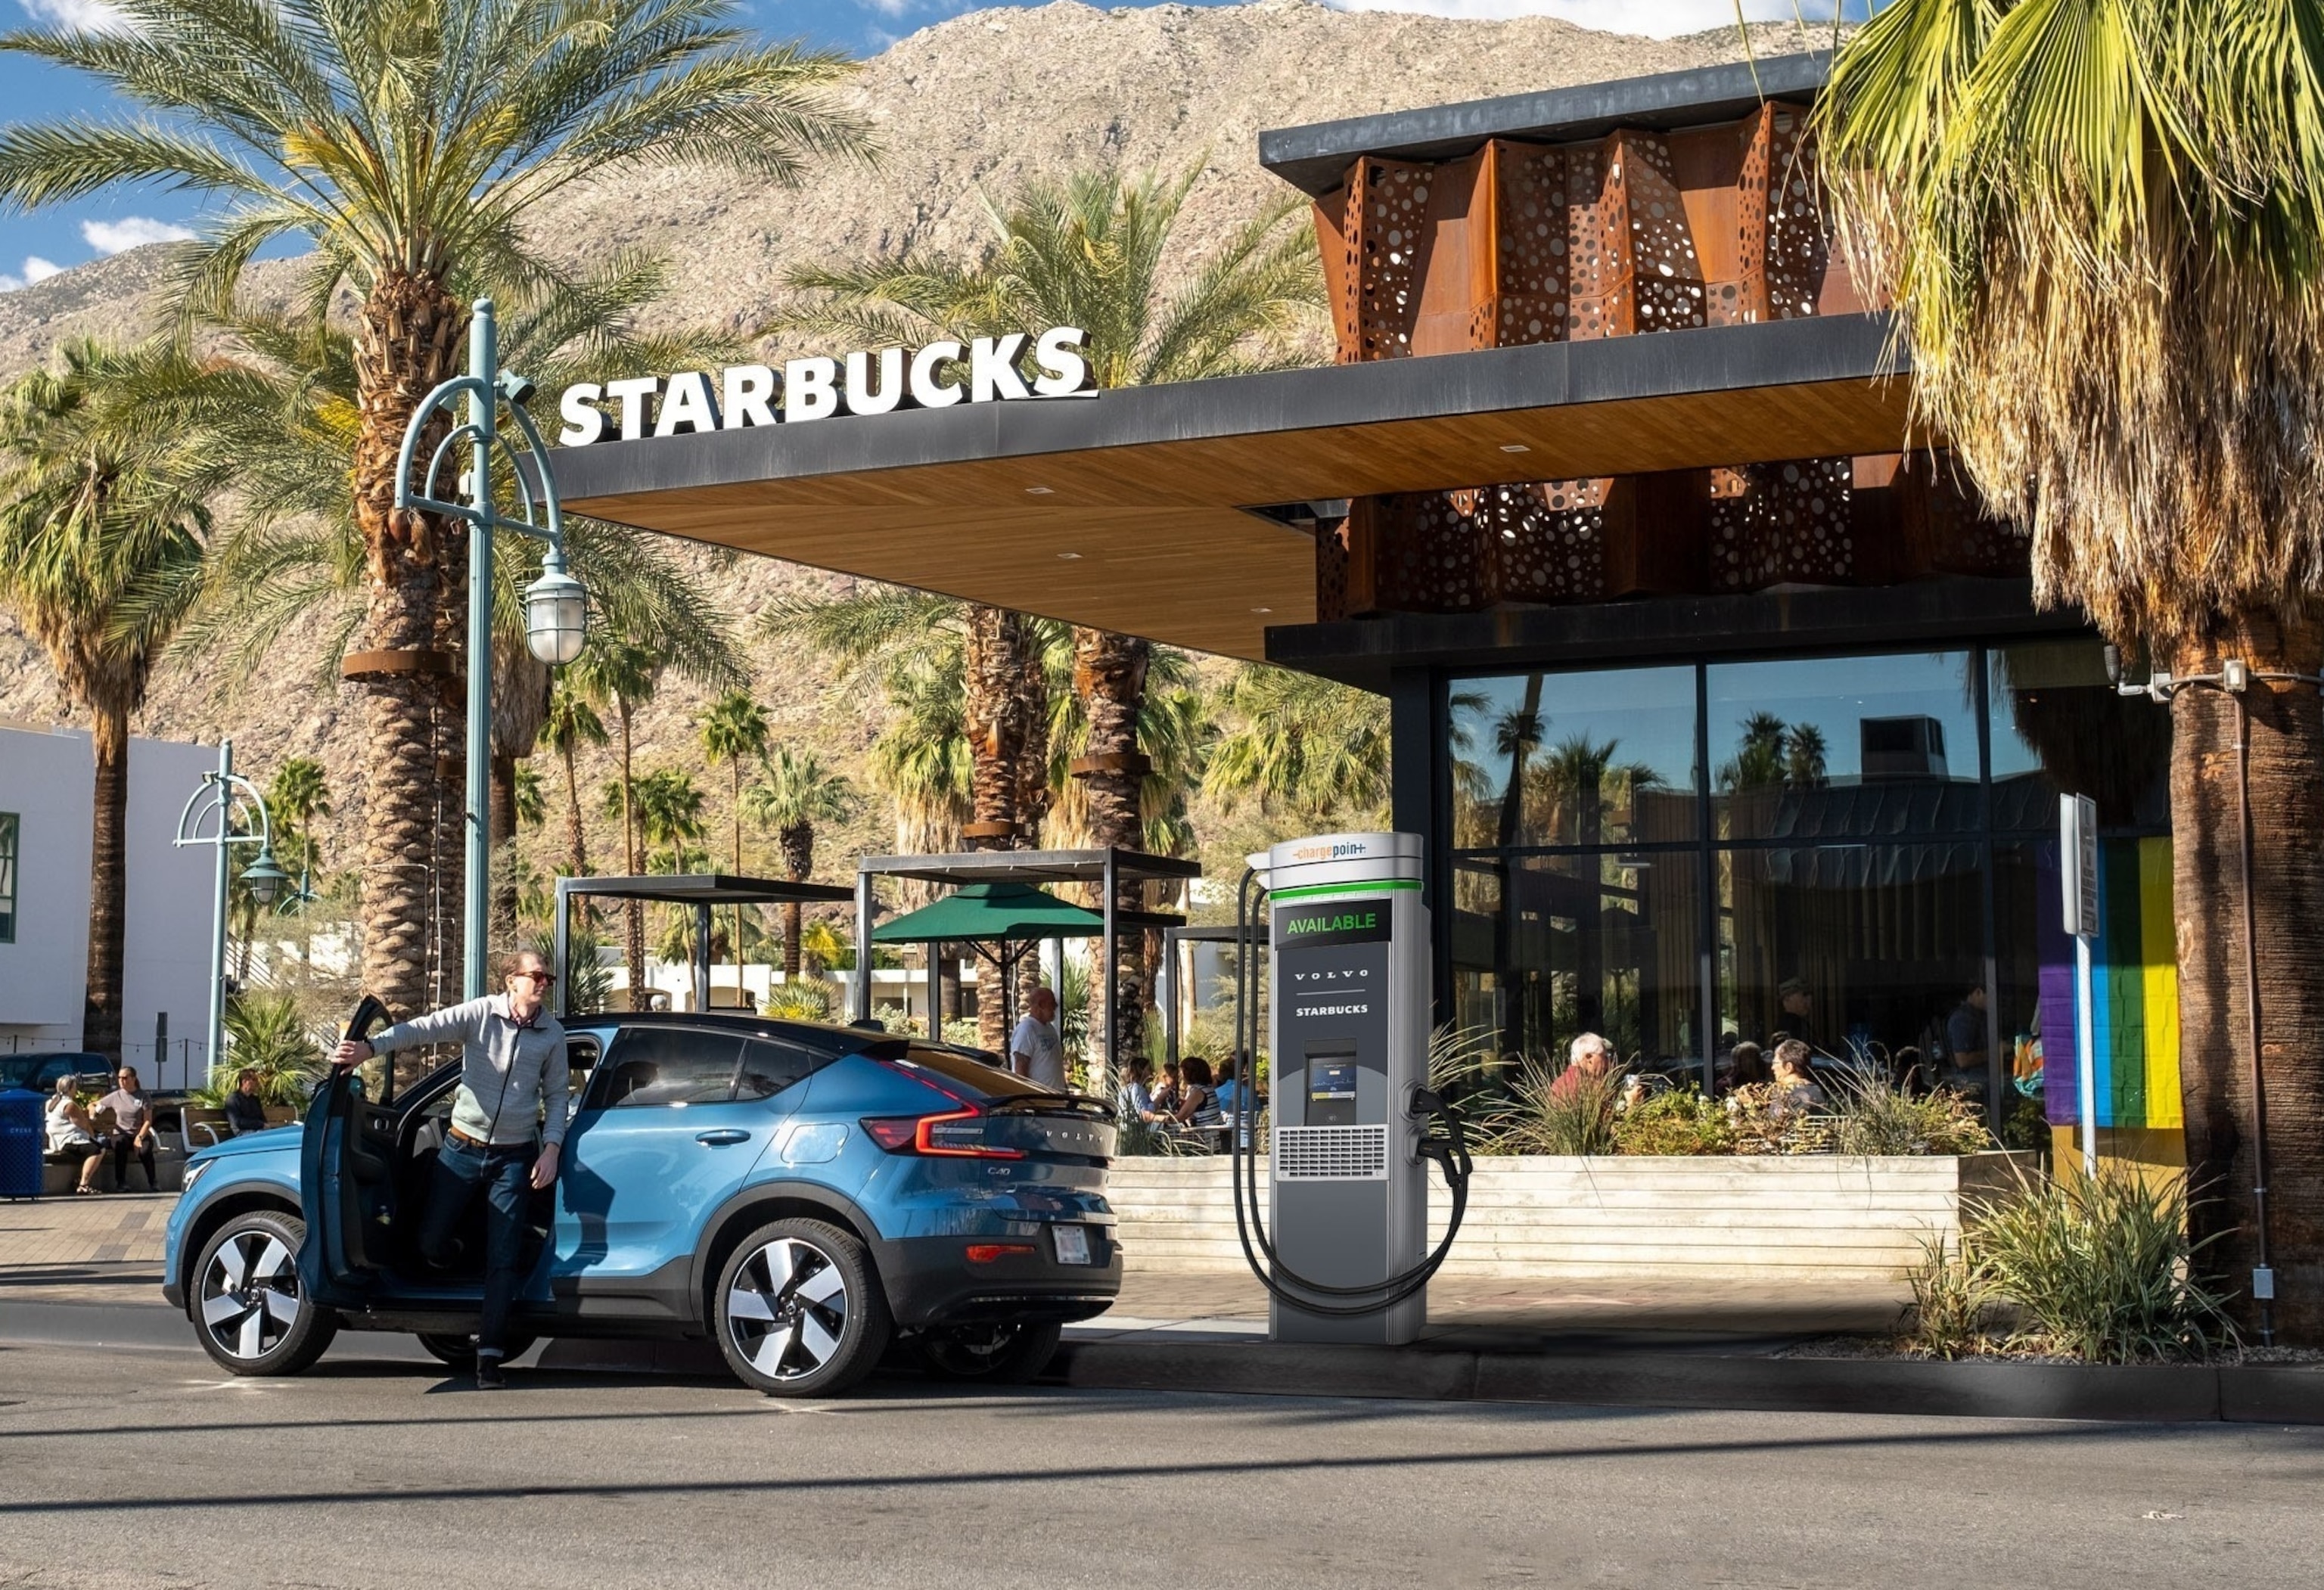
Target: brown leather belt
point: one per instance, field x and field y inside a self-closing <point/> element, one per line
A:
<point x="462" y="1138"/>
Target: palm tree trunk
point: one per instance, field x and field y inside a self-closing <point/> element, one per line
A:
<point x="1110" y="677"/>
<point x="797" y="842"/>
<point x="501" y="808"/>
<point x="635" y="922"/>
<point x="2286" y="805"/>
<point x="994" y="708"/>
<point x="108" y="886"/>
<point x="575" y="842"/>
<point x="738" y="872"/>
<point x="408" y="340"/>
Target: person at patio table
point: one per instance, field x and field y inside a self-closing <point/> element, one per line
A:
<point x="1169" y="1090"/>
<point x="1795" y="1089"/>
<point x="245" y="1110"/>
<point x="1199" y="1106"/>
<point x="512" y="1080"/>
<point x="1588" y="1058"/>
<point x="1967" y="1060"/>
<point x="71" y="1135"/>
<point x="132" y="1128"/>
<point x="1135" y="1100"/>
<point x="1036" y="1052"/>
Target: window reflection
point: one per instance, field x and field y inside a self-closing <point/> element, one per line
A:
<point x="1861" y="746"/>
<point x="2058" y="725"/>
<point x="1545" y="948"/>
<point x="1599" y="758"/>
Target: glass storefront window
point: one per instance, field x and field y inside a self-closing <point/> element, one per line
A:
<point x="1604" y="756"/>
<point x="1548" y="947"/>
<point x="1865" y="952"/>
<point x="1845" y="747"/>
<point x="2057" y="724"/>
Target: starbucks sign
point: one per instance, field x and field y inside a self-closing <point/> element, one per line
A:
<point x="986" y="370"/>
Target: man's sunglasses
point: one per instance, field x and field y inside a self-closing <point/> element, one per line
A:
<point x="538" y="977"/>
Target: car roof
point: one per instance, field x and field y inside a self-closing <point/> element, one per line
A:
<point x="825" y="1035"/>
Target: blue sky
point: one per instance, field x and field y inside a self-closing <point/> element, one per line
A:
<point x="38" y="244"/>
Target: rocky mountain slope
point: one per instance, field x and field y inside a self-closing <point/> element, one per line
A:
<point x="969" y="107"/>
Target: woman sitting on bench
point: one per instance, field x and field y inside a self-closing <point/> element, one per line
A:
<point x="72" y="1135"/>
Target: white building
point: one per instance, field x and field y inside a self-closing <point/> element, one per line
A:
<point x="47" y="792"/>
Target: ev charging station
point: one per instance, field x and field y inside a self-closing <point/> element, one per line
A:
<point x="1354" y="1122"/>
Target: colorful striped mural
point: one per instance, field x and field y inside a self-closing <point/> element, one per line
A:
<point x="2134" y="992"/>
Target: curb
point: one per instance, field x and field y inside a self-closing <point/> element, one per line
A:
<point x="2125" y="1393"/>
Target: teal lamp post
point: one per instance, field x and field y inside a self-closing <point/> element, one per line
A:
<point x="556" y="605"/>
<point x="219" y="794"/>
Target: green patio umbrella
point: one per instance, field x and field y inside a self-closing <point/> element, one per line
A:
<point x="1006" y="914"/>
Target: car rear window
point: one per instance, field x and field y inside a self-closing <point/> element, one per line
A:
<point x="971" y="1075"/>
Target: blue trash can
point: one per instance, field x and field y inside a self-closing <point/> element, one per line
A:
<point x="20" y="1143"/>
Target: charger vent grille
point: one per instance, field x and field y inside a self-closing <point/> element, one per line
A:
<point x="1330" y="1153"/>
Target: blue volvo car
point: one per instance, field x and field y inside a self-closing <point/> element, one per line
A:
<point x="803" y="1195"/>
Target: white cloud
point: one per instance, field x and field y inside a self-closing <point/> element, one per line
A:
<point x="110" y="237"/>
<point x="1656" y="19"/>
<point x="37" y="269"/>
<point x="88" y="17"/>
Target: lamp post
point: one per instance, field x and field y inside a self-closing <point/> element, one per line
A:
<point x="556" y="605"/>
<point x="222" y="790"/>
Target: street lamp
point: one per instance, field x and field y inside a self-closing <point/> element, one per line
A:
<point x="556" y="605"/>
<point x="222" y="790"/>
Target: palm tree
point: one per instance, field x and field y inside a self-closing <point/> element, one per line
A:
<point x="409" y="141"/>
<point x="99" y="549"/>
<point x="571" y="723"/>
<point x="1297" y="744"/>
<point x="1094" y="250"/>
<point x="532" y="804"/>
<point x="662" y="812"/>
<point x="2102" y="228"/>
<point x="298" y="793"/>
<point x="735" y="727"/>
<point x="795" y="795"/>
<point x="624" y="676"/>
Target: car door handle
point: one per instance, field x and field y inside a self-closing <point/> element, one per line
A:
<point x="719" y="1139"/>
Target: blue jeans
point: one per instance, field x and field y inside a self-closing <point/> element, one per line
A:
<point x="504" y="1173"/>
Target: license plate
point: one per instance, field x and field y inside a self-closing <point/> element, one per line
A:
<point x="1073" y="1243"/>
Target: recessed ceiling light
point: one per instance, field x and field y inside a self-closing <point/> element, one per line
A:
<point x="1515" y="447"/>
<point x="1037" y="491"/>
<point x="1070" y="556"/>
<point x="1262" y="609"/>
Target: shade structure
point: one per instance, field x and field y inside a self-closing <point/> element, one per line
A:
<point x="992" y="913"/>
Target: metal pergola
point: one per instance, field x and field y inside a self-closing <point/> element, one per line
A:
<point x="1172" y="940"/>
<point x="703" y="891"/>
<point x="1108" y="869"/>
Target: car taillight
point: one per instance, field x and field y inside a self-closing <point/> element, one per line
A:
<point x="954" y="1135"/>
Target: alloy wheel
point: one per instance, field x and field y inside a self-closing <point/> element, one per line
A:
<point x="787" y="1309"/>
<point x="250" y="1294"/>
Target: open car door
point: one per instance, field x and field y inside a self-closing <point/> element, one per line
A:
<point x="346" y="1180"/>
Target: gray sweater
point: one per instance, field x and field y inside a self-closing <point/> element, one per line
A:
<point x="512" y="1077"/>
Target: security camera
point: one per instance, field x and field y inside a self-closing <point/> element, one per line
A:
<point x="517" y="389"/>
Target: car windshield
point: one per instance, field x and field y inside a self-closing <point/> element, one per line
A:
<point x="965" y="1072"/>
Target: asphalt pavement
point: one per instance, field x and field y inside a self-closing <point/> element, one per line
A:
<point x="147" y="1467"/>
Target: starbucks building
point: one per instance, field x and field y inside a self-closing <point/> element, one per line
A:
<point x="1723" y="714"/>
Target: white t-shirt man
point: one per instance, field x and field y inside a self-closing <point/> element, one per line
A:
<point x="1037" y="1051"/>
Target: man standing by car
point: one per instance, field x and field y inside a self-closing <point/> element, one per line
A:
<point x="512" y="1077"/>
<point x="1035" y="1050"/>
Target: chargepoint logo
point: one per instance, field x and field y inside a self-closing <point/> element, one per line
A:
<point x="986" y="370"/>
<point x="1333" y="852"/>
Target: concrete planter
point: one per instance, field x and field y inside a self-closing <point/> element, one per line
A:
<point x="1805" y="1217"/>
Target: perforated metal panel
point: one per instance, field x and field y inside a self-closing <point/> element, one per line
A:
<point x="1330" y="1153"/>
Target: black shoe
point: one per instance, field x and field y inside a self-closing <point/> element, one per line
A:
<point x="489" y="1377"/>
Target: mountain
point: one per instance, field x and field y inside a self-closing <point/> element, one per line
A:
<point x="967" y="108"/>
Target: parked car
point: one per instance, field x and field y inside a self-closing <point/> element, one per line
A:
<point x="802" y="1194"/>
<point x="40" y="1072"/>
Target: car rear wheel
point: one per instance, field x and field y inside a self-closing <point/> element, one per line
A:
<point x="459" y="1352"/>
<point x="799" y="1311"/>
<point x="993" y="1354"/>
<point x="249" y="1309"/>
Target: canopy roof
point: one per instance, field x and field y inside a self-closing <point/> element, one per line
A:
<point x="706" y="889"/>
<point x="992" y="912"/>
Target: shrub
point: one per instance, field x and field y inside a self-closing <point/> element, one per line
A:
<point x="1953" y="1306"/>
<point x="1541" y="1117"/>
<point x="1872" y="1115"/>
<point x="802" y="999"/>
<point x="266" y="1033"/>
<point x="1680" y="1121"/>
<point x="2100" y="1266"/>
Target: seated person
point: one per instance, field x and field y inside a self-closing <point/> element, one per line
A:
<point x="1198" y="1104"/>
<point x="244" y="1110"/>
<point x="1134" y="1101"/>
<point x="71" y="1135"/>
<point x="132" y="1129"/>
<point x="1167" y="1095"/>
<point x="1588" y="1059"/>
<point x="1795" y="1090"/>
<point x="1748" y="1068"/>
<point x="1965" y="1044"/>
<point x="1230" y="1090"/>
